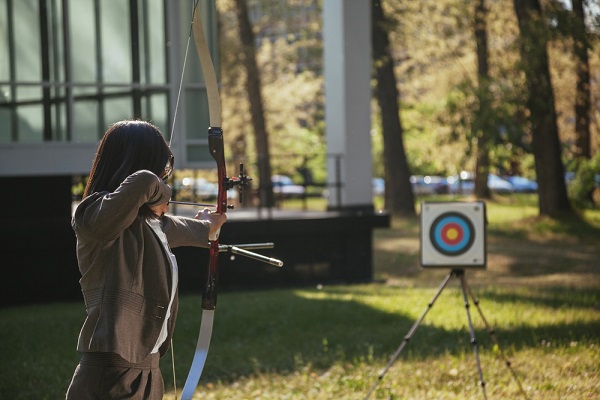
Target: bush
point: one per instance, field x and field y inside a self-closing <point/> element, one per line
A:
<point x="581" y="189"/>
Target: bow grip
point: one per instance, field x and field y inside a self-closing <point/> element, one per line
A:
<point x="209" y="294"/>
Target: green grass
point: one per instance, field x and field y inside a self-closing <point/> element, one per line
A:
<point x="540" y="292"/>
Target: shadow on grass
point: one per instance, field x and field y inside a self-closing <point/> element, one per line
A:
<point x="572" y="225"/>
<point x="287" y="332"/>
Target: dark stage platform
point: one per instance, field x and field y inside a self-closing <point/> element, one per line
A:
<point x="316" y="247"/>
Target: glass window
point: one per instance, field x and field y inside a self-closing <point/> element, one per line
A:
<point x="157" y="107"/>
<point x="198" y="153"/>
<point x="56" y="44"/>
<point x="196" y="114"/>
<point x="28" y="93"/>
<point x="4" y="47"/>
<point x="118" y="109"/>
<point x="85" y="121"/>
<point x="71" y="88"/>
<point x="30" y="123"/>
<point x="83" y="29"/>
<point x="154" y="56"/>
<point x="59" y="122"/>
<point x="6" y="124"/>
<point x="116" y="42"/>
<point x="5" y="94"/>
<point x="27" y="51"/>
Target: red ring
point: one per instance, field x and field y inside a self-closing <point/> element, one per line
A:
<point x="447" y="228"/>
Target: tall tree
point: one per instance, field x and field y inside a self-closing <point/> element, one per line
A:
<point x="481" y="127"/>
<point x="255" y="100"/>
<point x="553" y="200"/>
<point x="583" y="98"/>
<point x="399" y="198"/>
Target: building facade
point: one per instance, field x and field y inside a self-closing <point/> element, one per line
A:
<point x="68" y="69"/>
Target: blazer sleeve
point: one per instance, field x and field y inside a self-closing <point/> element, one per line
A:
<point x="182" y="231"/>
<point x="105" y="215"/>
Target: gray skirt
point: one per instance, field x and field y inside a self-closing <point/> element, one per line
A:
<point x="109" y="376"/>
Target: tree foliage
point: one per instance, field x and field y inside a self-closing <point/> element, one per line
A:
<point x="435" y="65"/>
<point x="288" y="57"/>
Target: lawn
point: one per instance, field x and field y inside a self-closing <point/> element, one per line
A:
<point x="540" y="292"/>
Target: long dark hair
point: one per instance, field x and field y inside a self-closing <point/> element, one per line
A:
<point x="128" y="146"/>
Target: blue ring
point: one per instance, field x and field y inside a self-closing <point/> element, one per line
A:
<point x="435" y="234"/>
<point x="440" y="240"/>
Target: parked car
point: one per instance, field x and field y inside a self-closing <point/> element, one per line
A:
<point x="522" y="184"/>
<point x="462" y="183"/>
<point x="188" y="187"/>
<point x="465" y="184"/>
<point x="283" y="186"/>
<point x="378" y="186"/>
<point x="428" y="185"/>
<point x="570" y="177"/>
<point x="499" y="185"/>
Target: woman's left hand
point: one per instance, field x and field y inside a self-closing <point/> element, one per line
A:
<point x="215" y="220"/>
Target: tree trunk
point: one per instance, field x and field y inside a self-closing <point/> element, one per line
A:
<point x="553" y="200"/>
<point x="399" y="198"/>
<point x="583" y="100"/>
<point x="261" y="138"/>
<point x="481" y="127"/>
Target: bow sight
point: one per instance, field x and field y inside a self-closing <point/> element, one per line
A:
<point x="242" y="180"/>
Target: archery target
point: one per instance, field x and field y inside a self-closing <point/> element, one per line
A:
<point x="453" y="234"/>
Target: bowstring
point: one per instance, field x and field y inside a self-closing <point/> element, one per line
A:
<point x="185" y="57"/>
<point x="173" y="365"/>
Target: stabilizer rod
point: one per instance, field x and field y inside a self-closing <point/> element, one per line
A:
<point x="241" y="249"/>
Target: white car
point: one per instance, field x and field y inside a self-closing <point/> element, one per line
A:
<point x="428" y="185"/>
<point x="202" y="188"/>
<point x="461" y="184"/>
<point x="378" y="186"/>
<point x="499" y="185"/>
<point x="284" y="186"/>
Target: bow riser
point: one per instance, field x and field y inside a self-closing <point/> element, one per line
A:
<point x="216" y="148"/>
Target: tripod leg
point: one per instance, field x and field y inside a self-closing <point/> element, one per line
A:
<point x="461" y="275"/>
<point x="409" y="335"/>
<point x="492" y="334"/>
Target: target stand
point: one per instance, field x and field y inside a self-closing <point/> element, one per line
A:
<point x="453" y="236"/>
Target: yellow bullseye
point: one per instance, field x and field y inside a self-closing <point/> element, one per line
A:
<point x="452" y="234"/>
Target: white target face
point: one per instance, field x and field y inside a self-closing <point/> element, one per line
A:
<point x="453" y="234"/>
